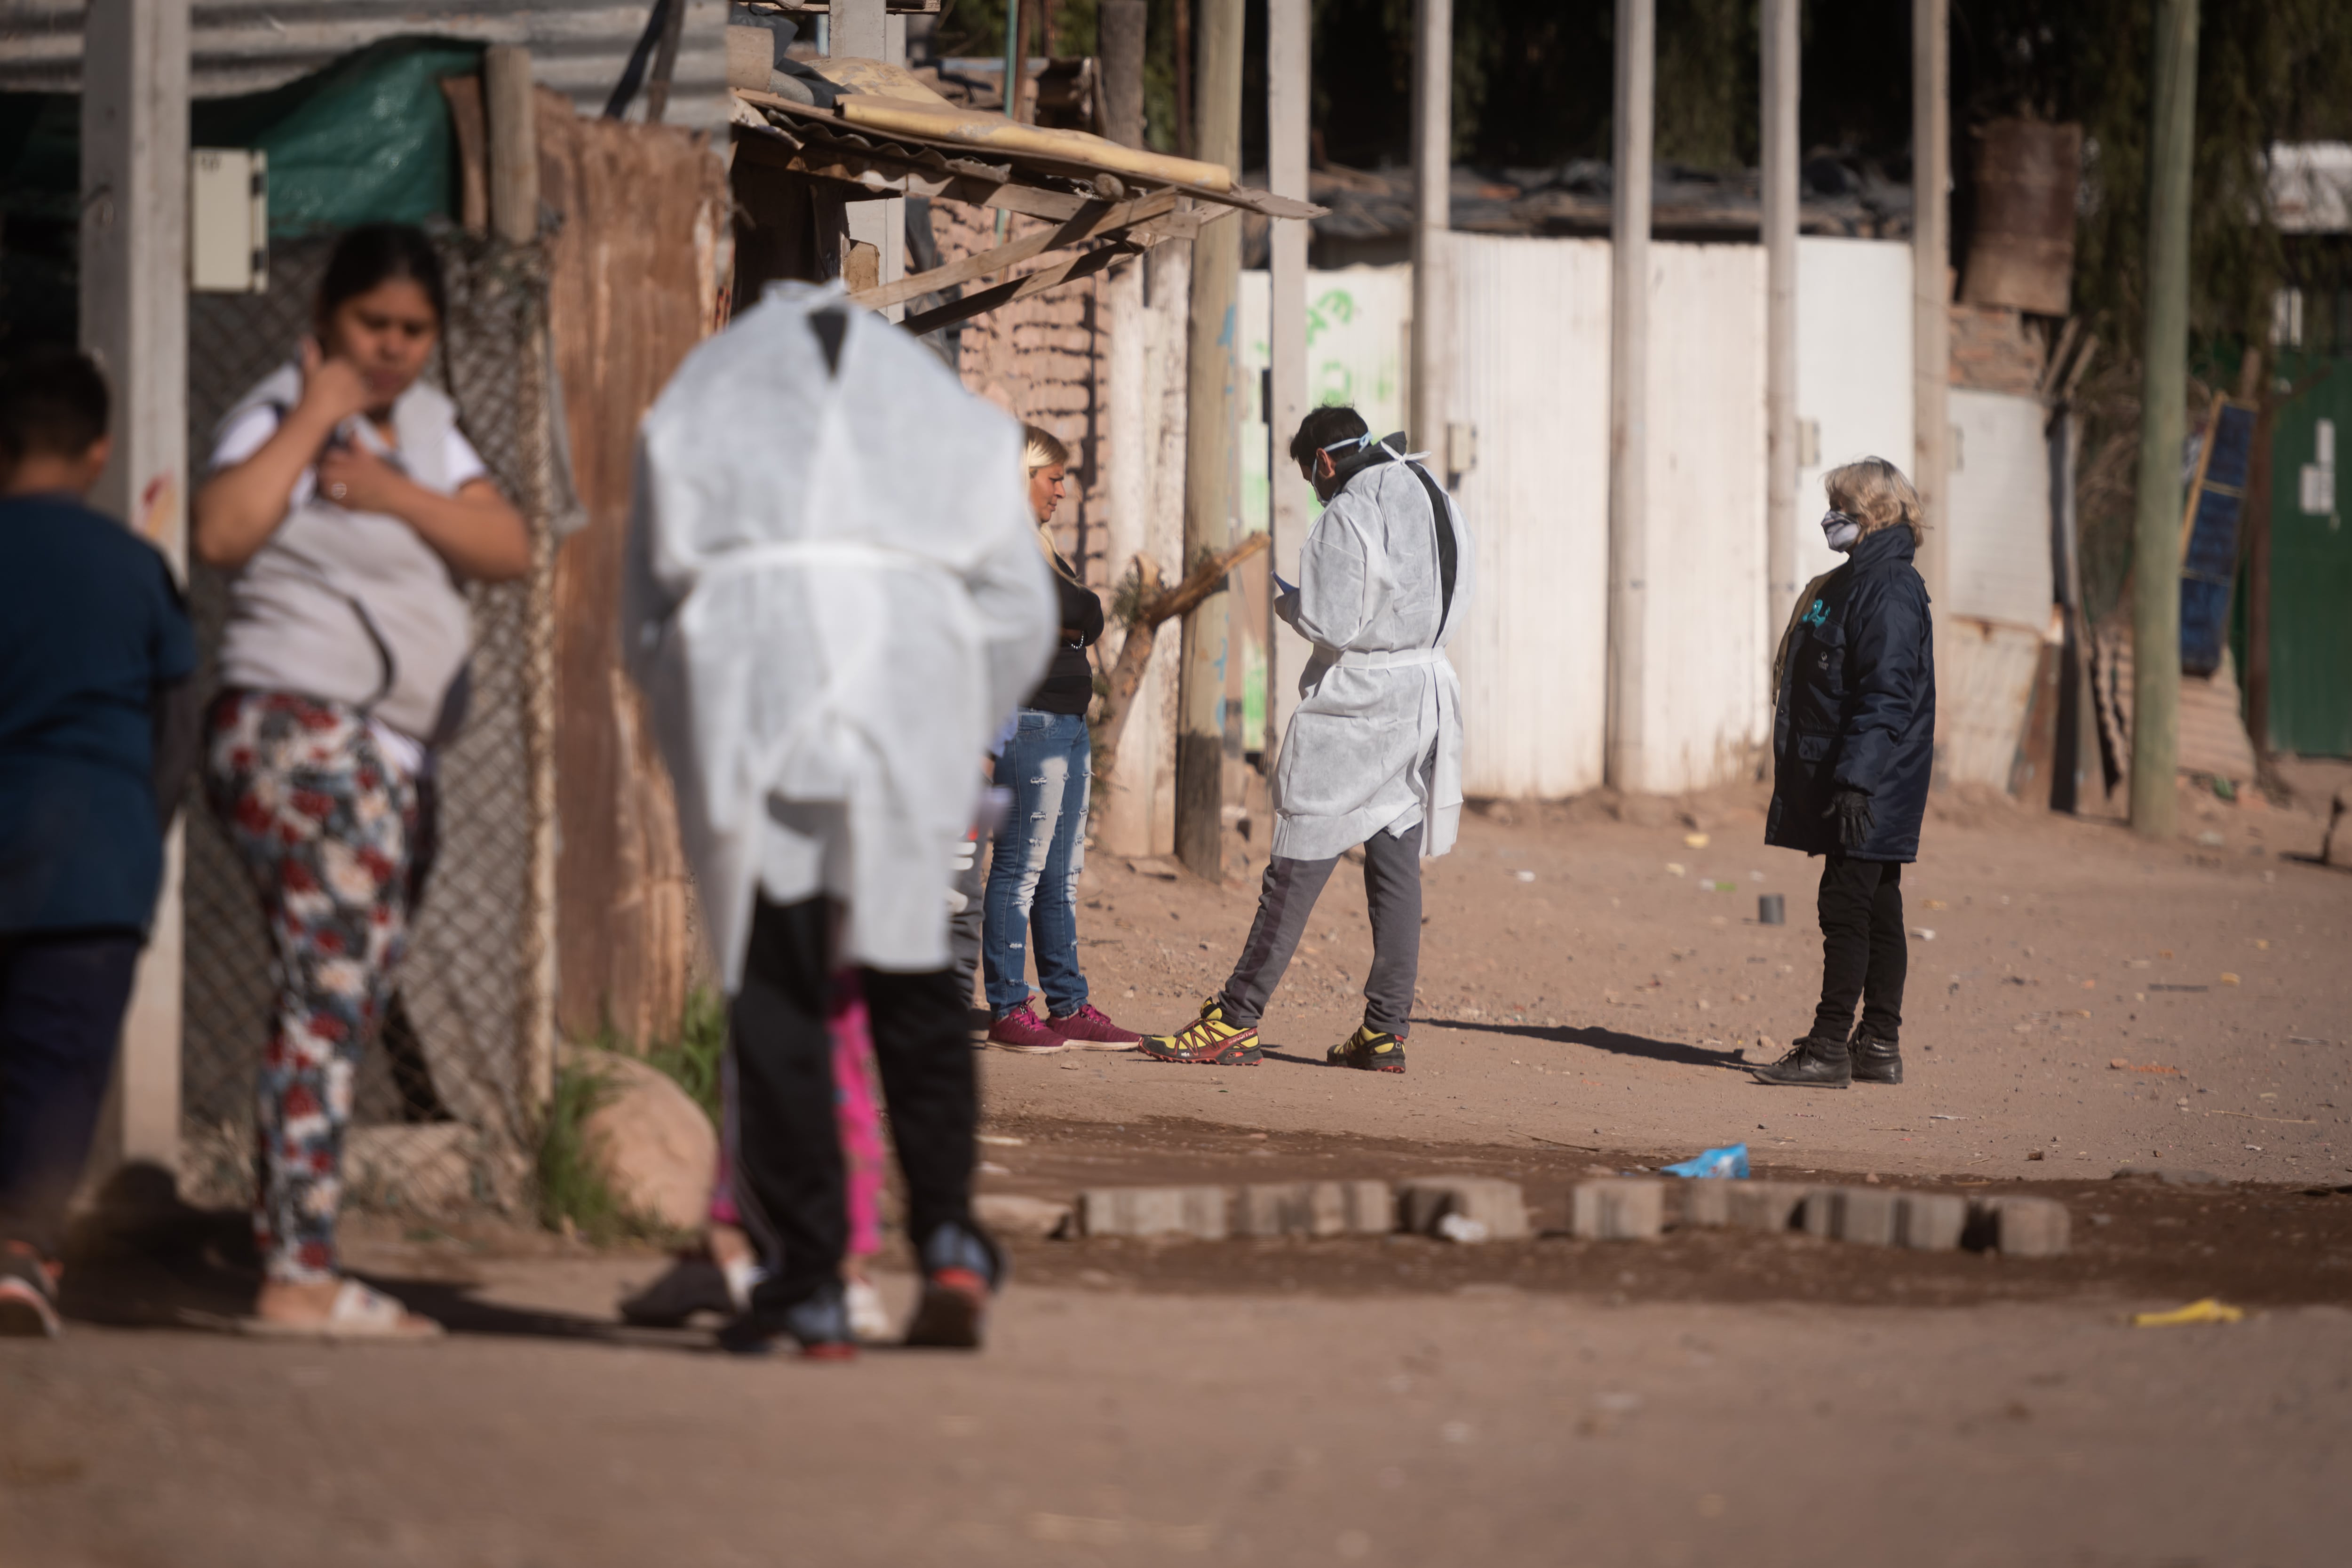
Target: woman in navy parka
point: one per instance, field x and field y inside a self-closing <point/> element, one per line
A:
<point x="1854" y="734"/>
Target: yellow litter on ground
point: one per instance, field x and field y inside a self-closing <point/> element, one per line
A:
<point x="2209" y="1310"/>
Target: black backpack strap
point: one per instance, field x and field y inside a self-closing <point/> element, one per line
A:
<point x="1447" y="562"/>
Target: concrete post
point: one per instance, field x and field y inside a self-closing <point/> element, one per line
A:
<point x="1780" y="149"/>
<point x="1287" y="89"/>
<point x="134" y="322"/>
<point x="1433" y="215"/>
<point x="1626" y="766"/>
<point x="2156" y="540"/>
<point x="864" y="29"/>
<point x="1931" y="300"/>
<point x="1212" y="464"/>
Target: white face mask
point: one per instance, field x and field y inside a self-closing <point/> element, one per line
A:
<point x="1841" y="531"/>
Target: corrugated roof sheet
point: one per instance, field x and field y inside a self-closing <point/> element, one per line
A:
<point x="247" y="45"/>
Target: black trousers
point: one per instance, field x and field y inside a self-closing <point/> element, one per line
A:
<point x="789" y="1179"/>
<point x="61" y="1001"/>
<point x="1863" y="955"/>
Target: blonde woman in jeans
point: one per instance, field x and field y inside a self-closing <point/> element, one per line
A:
<point x="1045" y="764"/>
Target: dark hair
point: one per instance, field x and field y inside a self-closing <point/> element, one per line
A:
<point x="53" y="402"/>
<point x="376" y="254"/>
<point x="1322" y="427"/>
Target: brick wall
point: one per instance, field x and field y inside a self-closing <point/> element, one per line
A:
<point x="1043" y="360"/>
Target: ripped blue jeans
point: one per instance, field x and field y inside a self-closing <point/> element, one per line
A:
<point x="1033" y="876"/>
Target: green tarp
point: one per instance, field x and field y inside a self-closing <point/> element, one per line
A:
<point x="365" y="140"/>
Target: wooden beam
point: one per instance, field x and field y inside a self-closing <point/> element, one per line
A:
<point x="514" y="143"/>
<point x="1095" y="221"/>
<point x="1082" y="266"/>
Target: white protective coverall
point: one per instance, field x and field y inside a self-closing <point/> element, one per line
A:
<point x="1375" y="744"/>
<point x="834" y="597"/>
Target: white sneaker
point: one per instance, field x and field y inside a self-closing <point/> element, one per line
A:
<point x="867" y="1319"/>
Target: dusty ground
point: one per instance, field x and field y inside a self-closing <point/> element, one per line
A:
<point x="1708" y="1398"/>
<point x="1590" y="983"/>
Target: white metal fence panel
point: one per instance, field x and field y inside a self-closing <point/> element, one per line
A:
<point x="1532" y="322"/>
<point x="1707" y="644"/>
<point x="2000" y="548"/>
<point x="1854" y="371"/>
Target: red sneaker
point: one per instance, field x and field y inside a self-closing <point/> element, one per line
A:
<point x="1089" y="1031"/>
<point x="1020" y="1031"/>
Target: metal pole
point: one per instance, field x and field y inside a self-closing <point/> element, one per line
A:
<point x="2156" y="540"/>
<point x="1780" y="79"/>
<point x="1287" y="88"/>
<point x="1433" y="179"/>
<point x="1211" y="453"/>
<point x="1931" y="294"/>
<point x="1629" y="392"/>
<point x="134" y="322"/>
<point x="1015" y="64"/>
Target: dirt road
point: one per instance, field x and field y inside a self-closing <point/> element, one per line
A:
<point x="1589" y="981"/>
<point x="1109" y="1426"/>
<point x="1588" y="987"/>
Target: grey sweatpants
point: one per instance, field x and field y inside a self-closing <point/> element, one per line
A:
<point x="1392" y="889"/>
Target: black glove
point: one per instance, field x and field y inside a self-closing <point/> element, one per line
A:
<point x="1851" y="808"/>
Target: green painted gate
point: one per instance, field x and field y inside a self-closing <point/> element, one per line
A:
<point x="2311" y="565"/>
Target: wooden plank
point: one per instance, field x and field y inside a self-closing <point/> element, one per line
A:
<point x="466" y="120"/>
<point x="824" y="123"/>
<point x="1094" y="221"/>
<point x="971" y="305"/>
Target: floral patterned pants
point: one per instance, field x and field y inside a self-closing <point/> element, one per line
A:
<point x="327" y="828"/>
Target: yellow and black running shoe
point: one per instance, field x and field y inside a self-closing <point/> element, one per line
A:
<point x="1370" y="1049"/>
<point x="1207" y="1041"/>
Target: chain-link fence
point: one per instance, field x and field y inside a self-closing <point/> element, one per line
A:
<point x="445" y="1101"/>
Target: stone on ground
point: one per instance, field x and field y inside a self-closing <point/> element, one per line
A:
<point x="1498" y="1206"/>
<point x="1931" y="1222"/>
<point x="1866" y="1215"/>
<point x="1315" y="1208"/>
<point x="649" y="1141"/>
<point x="1198" y="1212"/>
<point x="1762" y="1206"/>
<point x="2028" y="1228"/>
<point x="1619" y="1209"/>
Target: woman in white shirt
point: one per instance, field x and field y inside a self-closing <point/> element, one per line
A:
<point x="347" y="511"/>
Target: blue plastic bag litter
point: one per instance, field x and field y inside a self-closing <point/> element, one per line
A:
<point x="1731" y="1161"/>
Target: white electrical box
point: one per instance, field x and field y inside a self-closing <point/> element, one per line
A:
<point x="228" y="220"/>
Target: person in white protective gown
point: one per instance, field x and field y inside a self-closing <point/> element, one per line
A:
<point x="1372" y="754"/>
<point x="834" y="599"/>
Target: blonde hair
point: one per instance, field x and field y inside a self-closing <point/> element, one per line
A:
<point x="1873" y="492"/>
<point x="1041" y="449"/>
<point x="1044" y="449"/>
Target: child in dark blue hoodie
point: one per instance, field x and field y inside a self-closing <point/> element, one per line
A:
<point x="97" y="730"/>
<point x="1854" y="738"/>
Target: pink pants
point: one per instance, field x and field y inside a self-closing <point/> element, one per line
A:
<point x="855" y="1112"/>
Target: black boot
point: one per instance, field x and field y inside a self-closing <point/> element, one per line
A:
<point x="1814" y="1063"/>
<point x="1876" y="1062"/>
